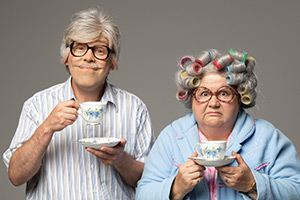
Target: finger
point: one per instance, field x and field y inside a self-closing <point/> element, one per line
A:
<point x="108" y="150"/>
<point x="71" y="103"/>
<point x="195" y="154"/>
<point x="238" y="158"/>
<point x="97" y="153"/>
<point x="122" y="142"/>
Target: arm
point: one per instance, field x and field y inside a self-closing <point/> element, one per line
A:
<point x="26" y="160"/>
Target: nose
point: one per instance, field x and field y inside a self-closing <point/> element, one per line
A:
<point x="89" y="56"/>
<point x="214" y="102"/>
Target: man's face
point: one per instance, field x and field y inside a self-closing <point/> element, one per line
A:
<point x="88" y="72"/>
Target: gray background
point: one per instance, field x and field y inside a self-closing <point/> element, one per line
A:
<point x="155" y="35"/>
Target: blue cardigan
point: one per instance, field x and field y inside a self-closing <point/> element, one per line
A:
<point x="269" y="154"/>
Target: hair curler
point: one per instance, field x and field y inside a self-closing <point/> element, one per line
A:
<point x="206" y="57"/>
<point x="194" y="69"/>
<point x="185" y="61"/>
<point x="189" y="82"/>
<point x="250" y="63"/>
<point x="235" y="79"/>
<point x="223" y="61"/>
<point x="239" y="55"/>
<point x="242" y="89"/>
<point x="183" y="95"/>
<point x="182" y="74"/>
<point x="236" y="67"/>
<point x="248" y="98"/>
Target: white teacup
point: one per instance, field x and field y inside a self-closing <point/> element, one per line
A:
<point x="92" y="111"/>
<point x="211" y="150"/>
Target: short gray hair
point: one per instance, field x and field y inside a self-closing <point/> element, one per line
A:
<point x="88" y="26"/>
<point x="236" y="66"/>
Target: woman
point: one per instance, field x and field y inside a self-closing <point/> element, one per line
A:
<point x="218" y="88"/>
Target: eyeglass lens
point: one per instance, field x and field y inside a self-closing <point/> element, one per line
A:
<point x="99" y="51"/>
<point x="223" y="94"/>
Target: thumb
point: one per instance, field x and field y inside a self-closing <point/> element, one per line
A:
<point x="195" y="154"/>
<point x="122" y="142"/>
<point x="238" y="158"/>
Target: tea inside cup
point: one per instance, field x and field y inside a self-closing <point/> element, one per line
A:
<point x="211" y="150"/>
<point x="92" y="111"/>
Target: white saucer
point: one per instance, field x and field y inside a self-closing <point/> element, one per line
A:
<point x="214" y="163"/>
<point x="98" y="142"/>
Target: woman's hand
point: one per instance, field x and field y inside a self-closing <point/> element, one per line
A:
<point x="237" y="178"/>
<point x="188" y="176"/>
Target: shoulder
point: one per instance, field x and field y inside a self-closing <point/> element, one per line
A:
<point x="123" y="96"/>
<point x="180" y="126"/>
<point x="52" y="93"/>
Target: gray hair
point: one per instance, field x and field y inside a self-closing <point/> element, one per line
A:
<point x="88" y="26"/>
<point x="236" y="66"/>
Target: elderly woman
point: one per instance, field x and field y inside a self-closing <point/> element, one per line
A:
<point x="218" y="88"/>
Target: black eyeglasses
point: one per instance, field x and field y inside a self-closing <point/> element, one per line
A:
<point x="100" y="52"/>
<point x="224" y="94"/>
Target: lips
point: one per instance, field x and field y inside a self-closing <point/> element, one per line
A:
<point x="214" y="113"/>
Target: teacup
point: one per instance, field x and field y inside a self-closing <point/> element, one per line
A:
<point x="92" y="111"/>
<point x="211" y="150"/>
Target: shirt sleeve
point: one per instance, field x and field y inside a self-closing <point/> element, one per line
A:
<point x="25" y="129"/>
<point x="145" y="136"/>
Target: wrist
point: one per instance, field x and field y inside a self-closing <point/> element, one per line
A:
<point x="252" y="190"/>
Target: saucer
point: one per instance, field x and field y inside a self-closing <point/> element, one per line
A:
<point x="98" y="142"/>
<point x="214" y="163"/>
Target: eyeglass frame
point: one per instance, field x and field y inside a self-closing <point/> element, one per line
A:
<point x="92" y="48"/>
<point x="215" y="94"/>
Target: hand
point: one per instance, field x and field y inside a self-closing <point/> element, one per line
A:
<point x="110" y="155"/>
<point x="188" y="176"/>
<point x="64" y="114"/>
<point x="237" y="178"/>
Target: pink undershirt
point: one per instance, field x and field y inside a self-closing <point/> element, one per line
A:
<point x="210" y="173"/>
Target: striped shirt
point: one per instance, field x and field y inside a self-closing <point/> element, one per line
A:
<point x="68" y="171"/>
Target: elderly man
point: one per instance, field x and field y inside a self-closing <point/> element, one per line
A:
<point x="44" y="152"/>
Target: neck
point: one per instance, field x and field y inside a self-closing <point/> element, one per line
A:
<point x="213" y="134"/>
<point x="83" y="94"/>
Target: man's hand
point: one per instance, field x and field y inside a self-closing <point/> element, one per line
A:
<point x="64" y="114"/>
<point x="110" y="155"/>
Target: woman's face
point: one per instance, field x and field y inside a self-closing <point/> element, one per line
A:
<point x="214" y="113"/>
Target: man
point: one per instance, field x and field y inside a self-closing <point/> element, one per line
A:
<point x="44" y="152"/>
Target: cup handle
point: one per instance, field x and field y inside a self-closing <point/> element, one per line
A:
<point x="196" y="150"/>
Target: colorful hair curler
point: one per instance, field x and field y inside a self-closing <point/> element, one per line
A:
<point x="223" y="61"/>
<point x="248" y="98"/>
<point x="182" y="95"/>
<point x="185" y="61"/>
<point x="235" y="79"/>
<point x="242" y="89"/>
<point x="182" y="74"/>
<point x="236" y="67"/>
<point x="239" y="55"/>
<point x="190" y="82"/>
<point x="250" y="63"/>
<point x="194" y="69"/>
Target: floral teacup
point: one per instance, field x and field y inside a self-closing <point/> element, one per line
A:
<point x="211" y="150"/>
<point x="92" y="111"/>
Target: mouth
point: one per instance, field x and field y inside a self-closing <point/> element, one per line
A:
<point x="214" y="113"/>
<point x="90" y="67"/>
